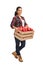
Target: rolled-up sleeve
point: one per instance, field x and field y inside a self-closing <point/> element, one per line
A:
<point x="13" y="22"/>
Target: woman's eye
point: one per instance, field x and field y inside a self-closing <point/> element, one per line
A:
<point x="19" y="10"/>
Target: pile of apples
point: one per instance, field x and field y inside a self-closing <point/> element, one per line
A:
<point x="25" y="29"/>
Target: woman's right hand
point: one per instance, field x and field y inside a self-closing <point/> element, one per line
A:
<point x="15" y="27"/>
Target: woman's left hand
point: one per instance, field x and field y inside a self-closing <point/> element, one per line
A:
<point x="26" y="26"/>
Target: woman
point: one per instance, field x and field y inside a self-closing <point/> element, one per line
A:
<point x="18" y="21"/>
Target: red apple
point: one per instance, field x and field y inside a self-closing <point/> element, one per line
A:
<point x="28" y="29"/>
<point x="20" y="28"/>
<point x="23" y="29"/>
<point x="31" y="29"/>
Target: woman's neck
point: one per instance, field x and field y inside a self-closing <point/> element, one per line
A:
<point x="19" y="15"/>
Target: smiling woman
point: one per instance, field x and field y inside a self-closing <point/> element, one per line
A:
<point x="18" y="11"/>
<point x="18" y="21"/>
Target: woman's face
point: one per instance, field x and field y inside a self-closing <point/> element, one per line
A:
<point x="19" y="11"/>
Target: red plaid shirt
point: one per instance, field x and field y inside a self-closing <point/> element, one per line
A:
<point x="17" y="22"/>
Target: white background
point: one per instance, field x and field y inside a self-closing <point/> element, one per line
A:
<point x="33" y="13"/>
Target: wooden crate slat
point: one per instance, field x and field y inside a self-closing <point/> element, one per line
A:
<point x="23" y="38"/>
<point x="21" y="35"/>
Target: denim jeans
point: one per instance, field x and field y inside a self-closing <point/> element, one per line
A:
<point x="18" y="47"/>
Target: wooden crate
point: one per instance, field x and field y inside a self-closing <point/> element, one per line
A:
<point x="23" y="35"/>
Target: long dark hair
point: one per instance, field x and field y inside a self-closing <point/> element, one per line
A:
<point x="17" y="10"/>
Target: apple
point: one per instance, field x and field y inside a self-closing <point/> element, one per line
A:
<point x="28" y="29"/>
<point x="31" y="29"/>
<point x="19" y="28"/>
<point x="23" y="29"/>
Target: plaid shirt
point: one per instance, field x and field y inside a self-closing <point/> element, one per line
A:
<point x="17" y="22"/>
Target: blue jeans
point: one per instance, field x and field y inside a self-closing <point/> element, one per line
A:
<point x="18" y="48"/>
